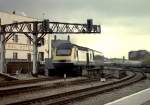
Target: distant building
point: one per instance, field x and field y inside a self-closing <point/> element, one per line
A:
<point x="19" y="47"/>
<point x="138" y="55"/>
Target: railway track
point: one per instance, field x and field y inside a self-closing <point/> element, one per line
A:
<point x="28" y="88"/>
<point x="4" y="77"/>
<point x="69" y="95"/>
<point x="31" y="81"/>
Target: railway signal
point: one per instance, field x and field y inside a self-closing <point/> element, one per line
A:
<point x="89" y="25"/>
<point x="45" y="25"/>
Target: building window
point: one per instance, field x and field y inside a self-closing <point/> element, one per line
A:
<point x="15" y="38"/>
<point x="29" y="56"/>
<point x="41" y="56"/>
<point x="42" y="41"/>
<point x="15" y="55"/>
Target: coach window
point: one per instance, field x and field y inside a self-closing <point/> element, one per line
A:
<point x="90" y="56"/>
<point x="15" y="55"/>
<point x="75" y="54"/>
<point x="93" y="55"/>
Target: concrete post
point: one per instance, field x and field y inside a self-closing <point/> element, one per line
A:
<point x="2" y="51"/>
<point x="35" y="50"/>
<point x="34" y="54"/>
<point x="49" y="46"/>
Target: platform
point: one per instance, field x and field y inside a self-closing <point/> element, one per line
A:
<point x="146" y="103"/>
<point x="139" y="98"/>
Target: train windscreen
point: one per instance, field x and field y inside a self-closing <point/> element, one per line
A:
<point x="63" y="52"/>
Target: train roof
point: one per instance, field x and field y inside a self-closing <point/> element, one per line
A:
<point x="70" y="45"/>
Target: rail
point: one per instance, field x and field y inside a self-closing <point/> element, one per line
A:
<point x="83" y="93"/>
<point x="7" y="77"/>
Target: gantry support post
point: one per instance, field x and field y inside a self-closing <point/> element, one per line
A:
<point x="35" y="50"/>
<point x="2" y="52"/>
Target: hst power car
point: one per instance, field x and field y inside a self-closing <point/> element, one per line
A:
<point x="71" y="59"/>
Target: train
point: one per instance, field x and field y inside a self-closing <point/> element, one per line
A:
<point x="72" y="59"/>
<point x="125" y="64"/>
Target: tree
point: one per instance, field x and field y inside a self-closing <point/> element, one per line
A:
<point x="146" y="60"/>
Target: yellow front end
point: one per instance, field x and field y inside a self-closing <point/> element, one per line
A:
<point x="70" y="58"/>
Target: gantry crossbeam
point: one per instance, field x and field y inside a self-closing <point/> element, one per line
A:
<point x="54" y="27"/>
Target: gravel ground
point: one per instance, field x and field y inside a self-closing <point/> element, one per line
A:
<point x="29" y="95"/>
<point x="27" y="76"/>
<point x="2" y="79"/>
<point x="146" y="103"/>
<point x="115" y="94"/>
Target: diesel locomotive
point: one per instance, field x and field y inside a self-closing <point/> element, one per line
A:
<point x="71" y="59"/>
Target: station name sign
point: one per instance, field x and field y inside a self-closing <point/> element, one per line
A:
<point x="18" y="47"/>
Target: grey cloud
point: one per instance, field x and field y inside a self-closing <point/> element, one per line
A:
<point x="125" y="13"/>
<point x="113" y="8"/>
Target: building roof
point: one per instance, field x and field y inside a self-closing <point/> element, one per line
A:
<point x="11" y="13"/>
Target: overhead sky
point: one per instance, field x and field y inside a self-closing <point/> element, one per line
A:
<point x="125" y="23"/>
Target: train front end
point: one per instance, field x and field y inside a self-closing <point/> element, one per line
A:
<point x="63" y="60"/>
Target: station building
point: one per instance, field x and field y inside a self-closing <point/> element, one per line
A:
<point x="19" y="47"/>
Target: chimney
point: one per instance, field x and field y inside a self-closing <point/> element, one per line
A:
<point x="14" y="12"/>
